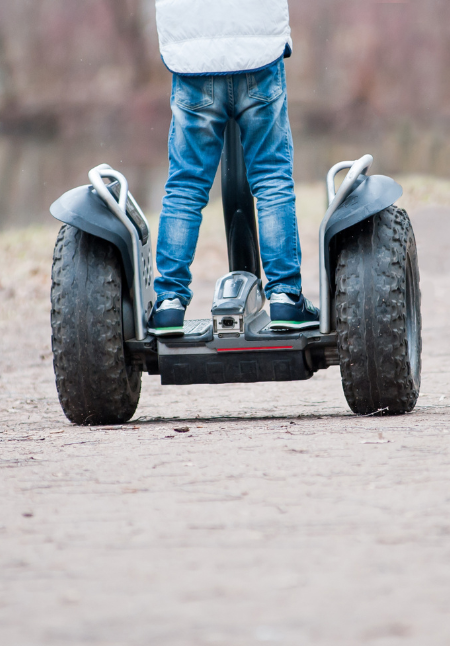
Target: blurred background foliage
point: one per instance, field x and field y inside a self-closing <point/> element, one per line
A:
<point x="82" y="82"/>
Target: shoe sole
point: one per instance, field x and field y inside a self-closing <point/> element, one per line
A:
<point x="293" y="325"/>
<point x="166" y="331"/>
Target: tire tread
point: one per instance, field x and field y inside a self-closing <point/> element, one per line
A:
<point x="93" y="382"/>
<point x="371" y="314"/>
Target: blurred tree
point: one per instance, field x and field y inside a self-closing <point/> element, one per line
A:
<point x="128" y="19"/>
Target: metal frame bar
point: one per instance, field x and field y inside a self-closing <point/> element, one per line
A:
<point x="119" y="208"/>
<point x="335" y="200"/>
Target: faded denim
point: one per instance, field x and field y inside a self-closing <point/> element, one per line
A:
<point x="201" y="107"/>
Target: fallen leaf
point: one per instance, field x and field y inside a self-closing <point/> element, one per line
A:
<point x="182" y="429"/>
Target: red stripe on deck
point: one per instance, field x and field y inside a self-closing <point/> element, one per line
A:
<point x="272" y="347"/>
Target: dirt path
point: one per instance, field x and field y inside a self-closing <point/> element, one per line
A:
<point x="280" y="518"/>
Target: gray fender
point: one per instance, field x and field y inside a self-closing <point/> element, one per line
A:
<point x="83" y="209"/>
<point x="373" y="194"/>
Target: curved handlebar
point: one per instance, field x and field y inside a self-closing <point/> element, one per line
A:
<point x="357" y="168"/>
<point x="119" y="208"/>
<point x="96" y="176"/>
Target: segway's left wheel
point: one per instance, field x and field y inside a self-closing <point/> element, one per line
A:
<point x="94" y="381"/>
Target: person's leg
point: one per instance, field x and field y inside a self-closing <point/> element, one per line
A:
<point x="262" y="114"/>
<point x="199" y="108"/>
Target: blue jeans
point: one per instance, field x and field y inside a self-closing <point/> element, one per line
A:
<point x="201" y="107"/>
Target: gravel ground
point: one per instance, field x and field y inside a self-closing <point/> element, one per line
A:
<point x="279" y="518"/>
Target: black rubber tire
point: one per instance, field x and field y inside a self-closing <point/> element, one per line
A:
<point x="95" y="385"/>
<point x="378" y="319"/>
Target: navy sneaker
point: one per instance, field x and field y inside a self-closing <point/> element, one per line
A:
<point x="286" y="314"/>
<point x="167" y="318"/>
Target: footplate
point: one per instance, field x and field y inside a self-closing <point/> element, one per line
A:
<point x="197" y="327"/>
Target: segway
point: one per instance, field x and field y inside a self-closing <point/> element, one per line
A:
<point x="102" y="296"/>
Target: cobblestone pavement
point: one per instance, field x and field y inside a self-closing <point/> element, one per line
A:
<point x="279" y="518"/>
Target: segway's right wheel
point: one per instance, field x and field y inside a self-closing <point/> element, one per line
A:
<point x="378" y="318"/>
<point x="95" y="385"/>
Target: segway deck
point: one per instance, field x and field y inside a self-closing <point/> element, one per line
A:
<point x="236" y="345"/>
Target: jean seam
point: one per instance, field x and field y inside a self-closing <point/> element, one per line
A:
<point x="291" y="168"/>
